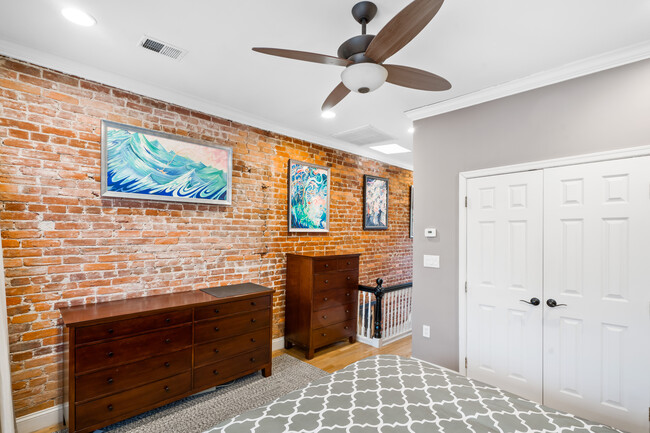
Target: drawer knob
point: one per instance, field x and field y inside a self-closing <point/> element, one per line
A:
<point x="166" y="389"/>
<point x="327" y="265"/>
<point x="348" y="263"/>
<point x="168" y="320"/>
<point x="324" y="334"/>
<point x="215" y="372"/>
<point x="109" y="380"/>
<point x="252" y="359"/>
<point x="253" y="340"/>
<point x="324" y="317"/>
<point x="253" y="303"/>
<point x="325" y="299"/>
<point x="216" y="311"/>
<point x="327" y="281"/>
<point x="168" y="340"/>
<point x="347" y="311"/>
<point x="347" y="294"/>
<point x="348" y="278"/>
<point x="346" y="327"/>
<point x="110" y="331"/>
<point x="167" y="364"/>
<point x="109" y="407"/>
<point x="109" y="354"/>
<point x="253" y="320"/>
<point x="216" y="329"/>
<point x="216" y="350"/>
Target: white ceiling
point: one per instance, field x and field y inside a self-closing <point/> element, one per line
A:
<point x="475" y="44"/>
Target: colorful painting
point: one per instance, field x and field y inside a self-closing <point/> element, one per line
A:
<point x="375" y="203"/>
<point x="309" y="197"/>
<point x="142" y="164"/>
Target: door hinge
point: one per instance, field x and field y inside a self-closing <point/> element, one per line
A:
<point x="465" y="286"/>
<point x="465" y="201"/>
<point x="465" y="362"/>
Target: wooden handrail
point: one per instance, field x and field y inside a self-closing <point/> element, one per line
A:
<point x="379" y="291"/>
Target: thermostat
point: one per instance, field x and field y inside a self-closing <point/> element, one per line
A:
<point x="430" y="233"/>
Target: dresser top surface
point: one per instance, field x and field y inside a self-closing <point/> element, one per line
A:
<point x="125" y="308"/>
<point x="324" y="256"/>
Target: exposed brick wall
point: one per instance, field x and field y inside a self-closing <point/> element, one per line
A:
<point x="64" y="245"/>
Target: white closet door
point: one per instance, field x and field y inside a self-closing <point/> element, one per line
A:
<point x="597" y="262"/>
<point x="504" y="267"/>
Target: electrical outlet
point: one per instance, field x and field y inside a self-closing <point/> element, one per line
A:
<point x="426" y="331"/>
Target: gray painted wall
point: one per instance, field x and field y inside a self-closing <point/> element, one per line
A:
<point x="603" y="111"/>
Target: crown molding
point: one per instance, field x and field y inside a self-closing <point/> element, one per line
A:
<point x="68" y="66"/>
<point x="580" y="68"/>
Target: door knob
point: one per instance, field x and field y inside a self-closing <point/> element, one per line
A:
<point x="533" y="301"/>
<point x="553" y="303"/>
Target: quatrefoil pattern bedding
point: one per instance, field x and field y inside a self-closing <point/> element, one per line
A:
<point x="392" y="394"/>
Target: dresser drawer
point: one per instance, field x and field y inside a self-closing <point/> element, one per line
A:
<point x="351" y="263"/>
<point x="340" y="313"/>
<point x="333" y="333"/>
<point x="122" y="328"/>
<point x="336" y="280"/>
<point x="325" y="265"/>
<point x="214" y="374"/>
<point x="111" y="380"/>
<point x="219" y="350"/>
<point x="117" y="405"/>
<point x="334" y="297"/>
<point x="230" y="326"/>
<point x="219" y="310"/>
<point x="116" y="352"/>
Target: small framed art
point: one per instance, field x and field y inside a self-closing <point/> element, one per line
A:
<point x="375" y="203"/>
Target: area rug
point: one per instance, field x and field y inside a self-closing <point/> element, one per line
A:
<point x="198" y="413"/>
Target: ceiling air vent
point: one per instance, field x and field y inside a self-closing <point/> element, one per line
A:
<point x="163" y="48"/>
<point x="365" y="135"/>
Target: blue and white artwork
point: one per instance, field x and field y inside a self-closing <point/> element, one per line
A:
<point x="309" y="190"/>
<point x="375" y="203"/>
<point x="143" y="164"/>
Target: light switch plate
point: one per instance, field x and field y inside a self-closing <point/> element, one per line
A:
<point x="426" y="331"/>
<point x="431" y="261"/>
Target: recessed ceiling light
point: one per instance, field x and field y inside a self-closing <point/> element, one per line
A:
<point x="78" y="17"/>
<point x="328" y="114"/>
<point x="390" y="149"/>
<point x="411" y="130"/>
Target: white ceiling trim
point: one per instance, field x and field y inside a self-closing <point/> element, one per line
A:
<point x="47" y="60"/>
<point x="611" y="59"/>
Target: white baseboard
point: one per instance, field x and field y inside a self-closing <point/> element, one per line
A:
<point x="39" y="420"/>
<point x="54" y="415"/>
<point x="277" y="344"/>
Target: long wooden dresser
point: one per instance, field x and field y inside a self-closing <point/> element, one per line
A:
<point x="122" y="358"/>
<point x="321" y="300"/>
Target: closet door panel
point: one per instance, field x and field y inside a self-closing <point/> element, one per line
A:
<point x="597" y="262"/>
<point x="504" y="268"/>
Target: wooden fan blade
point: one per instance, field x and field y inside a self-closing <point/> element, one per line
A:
<point x="415" y="78"/>
<point x="304" y="55"/>
<point x="402" y="29"/>
<point x="335" y="97"/>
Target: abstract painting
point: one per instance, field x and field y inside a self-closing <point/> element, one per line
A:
<point x="143" y="164"/>
<point x="309" y="197"/>
<point x="375" y="203"/>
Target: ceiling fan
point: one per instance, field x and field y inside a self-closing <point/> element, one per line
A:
<point x="363" y="56"/>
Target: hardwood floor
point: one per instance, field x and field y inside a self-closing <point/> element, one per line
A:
<point x="339" y="355"/>
<point x="331" y="358"/>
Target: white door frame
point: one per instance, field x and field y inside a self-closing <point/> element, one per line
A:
<point x="462" y="219"/>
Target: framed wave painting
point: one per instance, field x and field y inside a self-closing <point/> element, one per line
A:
<point x="375" y="203"/>
<point x="309" y="197"/>
<point x="142" y="164"/>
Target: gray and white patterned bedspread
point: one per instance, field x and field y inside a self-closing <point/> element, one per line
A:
<point x="391" y="394"/>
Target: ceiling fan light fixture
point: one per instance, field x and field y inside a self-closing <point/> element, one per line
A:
<point x="364" y="77"/>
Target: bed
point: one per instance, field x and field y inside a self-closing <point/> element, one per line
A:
<point x="392" y="394"/>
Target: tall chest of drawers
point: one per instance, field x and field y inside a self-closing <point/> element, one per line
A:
<point x="321" y="300"/>
<point x="125" y="357"/>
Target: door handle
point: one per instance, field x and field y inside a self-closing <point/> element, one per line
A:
<point x="533" y="301"/>
<point x="553" y="303"/>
